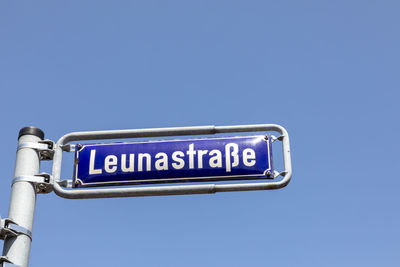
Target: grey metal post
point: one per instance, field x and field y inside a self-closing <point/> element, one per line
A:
<point x="23" y="197"/>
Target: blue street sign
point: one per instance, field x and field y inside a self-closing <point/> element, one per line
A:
<point x="189" y="160"/>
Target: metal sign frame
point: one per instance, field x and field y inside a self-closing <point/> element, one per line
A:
<point x="63" y="145"/>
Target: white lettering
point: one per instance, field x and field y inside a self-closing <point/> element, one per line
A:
<point x="231" y="156"/>
<point x="249" y="157"/>
<point x="234" y="154"/>
<point x="215" y="161"/>
<point x="161" y="164"/>
<point x="200" y="154"/>
<point x="92" y="170"/>
<point x="110" y="163"/>
<point x="131" y="163"/>
<point x="148" y="161"/>
<point x="191" y="152"/>
<point x="180" y="163"/>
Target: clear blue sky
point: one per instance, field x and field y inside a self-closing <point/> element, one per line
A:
<point x="328" y="71"/>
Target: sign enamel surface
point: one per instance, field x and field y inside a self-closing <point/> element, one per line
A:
<point x="187" y="160"/>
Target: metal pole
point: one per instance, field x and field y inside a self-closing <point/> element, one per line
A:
<point x="23" y="197"/>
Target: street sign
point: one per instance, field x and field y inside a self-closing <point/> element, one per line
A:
<point x="188" y="160"/>
<point x="169" y="161"/>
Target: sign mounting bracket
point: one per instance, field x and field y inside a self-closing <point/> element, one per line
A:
<point x="62" y="145"/>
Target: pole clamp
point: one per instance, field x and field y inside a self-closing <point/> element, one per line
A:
<point x="10" y="228"/>
<point x="43" y="182"/>
<point x="44" y="147"/>
<point x="5" y="262"/>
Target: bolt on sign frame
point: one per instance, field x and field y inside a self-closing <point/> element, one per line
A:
<point x="62" y="145"/>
